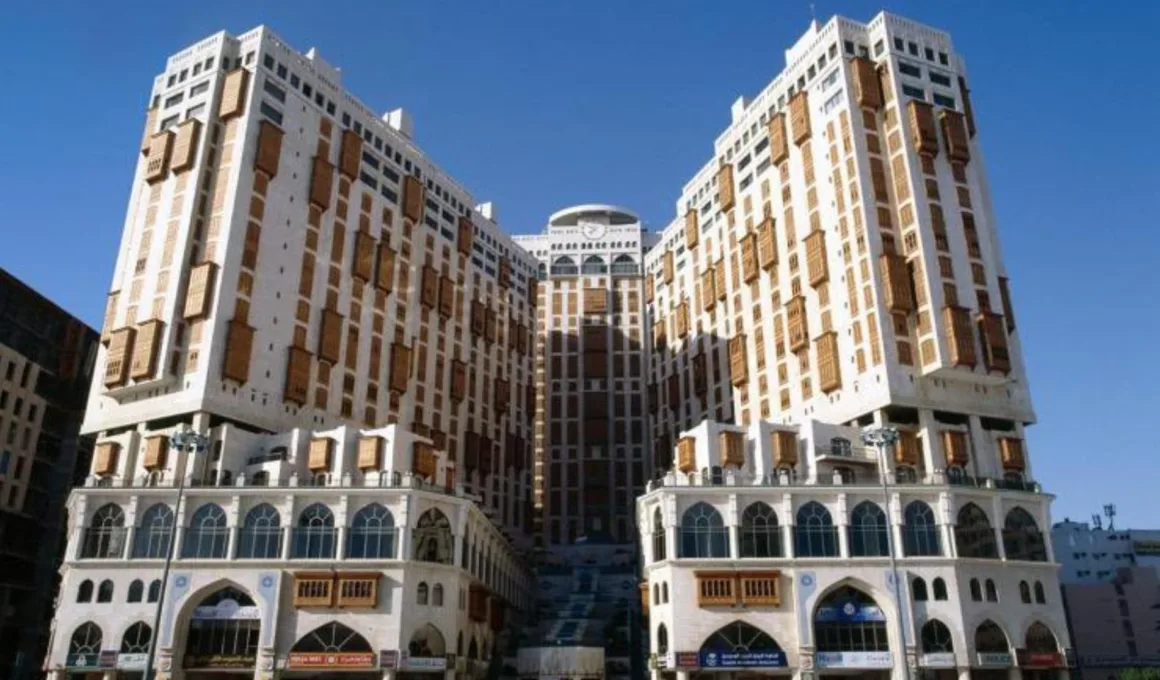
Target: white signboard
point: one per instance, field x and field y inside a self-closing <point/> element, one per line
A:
<point x="937" y="660"/>
<point x="226" y="609"/>
<point x="424" y="663"/>
<point x="131" y="661"/>
<point x="994" y="659"/>
<point x="853" y="660"/>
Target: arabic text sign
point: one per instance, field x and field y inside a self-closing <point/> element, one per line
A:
<point x="730" y="659"/>
<point x="854" y="660"/>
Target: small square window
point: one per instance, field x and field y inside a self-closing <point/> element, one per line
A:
<point x="294" y="80"/>
<point x="942" y="58"/>
<point x="345" y="119"/>
<point x="929" y="54"/>
<point x="250" y="57"/>
<point x="196" y="69"/>
<point x="330" y="108"/>
<point x="834" y="51"/>
<point x="912" y="47"/>
<point x="318" y="99"/>
<point x="307" y="90"/>
<point x="268" y="62"/>
<point x="878" y="47"/>
<point x="184" y="73"/>
<point x="209" y="63"/>
<point x="898" y="44"/>
<point x="171" y="81"/>
<point x="281" y="71"/>
<point x="849" y="45"/>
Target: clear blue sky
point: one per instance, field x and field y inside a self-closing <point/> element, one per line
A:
<point x="542" y="104"/>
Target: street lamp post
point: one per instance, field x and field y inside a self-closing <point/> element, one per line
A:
<point x="882" y="438"/>
<point x="190" y="442"/>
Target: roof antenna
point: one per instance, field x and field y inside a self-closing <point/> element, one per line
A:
<point x="1110" y="512"/>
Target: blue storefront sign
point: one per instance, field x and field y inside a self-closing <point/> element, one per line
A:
<point x="850" y="611"/>
<point x="731" y="659"/>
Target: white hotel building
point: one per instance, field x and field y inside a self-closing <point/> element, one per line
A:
<point x="397" y="402"/>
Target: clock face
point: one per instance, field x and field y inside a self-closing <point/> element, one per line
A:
<point x="593" y="230"/>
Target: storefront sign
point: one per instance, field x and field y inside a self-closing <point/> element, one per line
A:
<point x="220" y="660"/>
<point x="727" y="659"/>
<point x="388" y="658"/>
<point x="330" y="660"/>
<point x="937" y="660"/>
<point x="224" y="610"/>
<point x="82" y="660"/>
<point x="132" y="661"/>
<point x="424" y="663"/>
<point x="850" y="611"/>
<point x="686" y="660"/>
<point x="107" y="659"/>
<point x="1146" y="547"/>
<point x="993" y="659"/>
<point x="853" y="659"/>
<point x="1039" y="659"/>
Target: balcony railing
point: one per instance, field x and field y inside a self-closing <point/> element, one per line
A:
<point x="625" y="269"/>
<point x="565" y="270"/>
<point x="104" y="543"/>
<point x="850" y="477"/>
<point x="291" y="480"/>
<point x="313" y="543"/>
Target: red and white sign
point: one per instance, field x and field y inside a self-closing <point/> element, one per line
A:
<point x="330" y="660"/>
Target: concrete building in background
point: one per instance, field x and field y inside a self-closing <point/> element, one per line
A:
<point x="1112" y="594"/>
<point x="46" y="365"/>
<point x="836" y="266"/>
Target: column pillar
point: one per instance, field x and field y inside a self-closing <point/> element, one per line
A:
<point x="933" y="457"/>
<point x="732" y="520"/>
<point x="287" y="539"/>
<point x="983" y="460"/>
<point x="340" y="542"/>
<point x="842" y="523"/>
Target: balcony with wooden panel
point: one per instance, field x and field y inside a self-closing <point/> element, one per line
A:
<point x="766" y="244"/>
<point x="867" y="87"/>
<point x="643" y="589"/>
<point x="1011" y="454"/>
<point x="478" y="318"/>
<point x="446" y="297"/>
<point x="157" y="160"/>
<point x="797" y="326"/>
<point x="330" y="336"/>
<point x="502" y="395"/>
<point x="321" y="455"/>
<point x="760" y="588"/>
<point x="595" y="300"/>
<point x="922" y="127"/>
<point x="799" y="117"/>
<point x="423" y="461"/>
<point x="385" y="271"/>
<point x="660" y="337"/>
<point x="686" y="454"/>
<point x="726" y="195"/>
<point x="350" y="154"/>
<point x="719" y="273"/>
<point x="817" y="268"/>
<point x="778" y="139"/>
<point x="717" y="589"/>
<point x="414" y="199"/>
<point x="504" y="275"/>
<point x="667" y="267"/>
<point x="146" y="347"/>
<point x="708" y="290"/>
<point x="465" y="236"/>
<point x="785" y="449"/>
<point x="321" y="183"/>
<point x="738" y="362"/>
<point x="957" y="321"/>
<point x="233" y="101"/>
<point x="1005" y="297"/>
<point x="313" y="589"/>
<point x="491" y="325"/>
<point x="749" y="268"/>
<point x="692" y="229"/>
<point x="199" y="290"/>
<point x="829" y="366"/>
<point x="993" y="336"/>
<point x="649" y="288"/>
<point x="700" y="374"/>
<point x="477" y="597"/>
<point x="954" y="129"/>
<point x="156" y="452"/>
<point x="363" y="266"/>
<point x="908" y="449"/>
<point x="896" y="283"/>
<point x="429" y="287"/>
<point x="682" y="320"/>
<point x="238" y="351"/>
<point x="370" y="453"/>
<point x="955" y="448"/>
<point x="357" y="590"/>
<point x="269" y="149"/>
<point x="105" y="458"/>
<point x="400" y="378"/>
<point x="732" y="449"/>
<point x="674" y="393"/>
<point x="185" y="145"/>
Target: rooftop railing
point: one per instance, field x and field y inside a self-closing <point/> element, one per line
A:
<point x="857" y="478"/>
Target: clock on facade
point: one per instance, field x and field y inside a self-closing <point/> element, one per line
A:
<point x="593" y="230"/>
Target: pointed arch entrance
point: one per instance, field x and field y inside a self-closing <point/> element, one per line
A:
<point x="333" y="648"/>
<point x="221" y="636"/>
<point x="850" y="634"/>
<point x="739" y="646"/>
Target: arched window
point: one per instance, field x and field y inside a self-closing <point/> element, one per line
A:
<point x="206" y="537"/>
<point x="459" y="644"/>
<point x="703" y="532"/>
<point x="976" y="590"/>
<point x="918" y="589"/>
<point x="849" y="620"/>
<point x="105" y="591"/>
<point x="433" y="539"/>
<point x="213" y="633"/>
<point x="656" y="591"/>
<point x="1022" y="539"/>
<point x="1040" y="595"/>
<point x="1024" y="592"/>
<point x="85" y="641"/>
<point x="739" y="636"/>
<point x="105" y="535"/>
<point x="437" y="595"/>
<point x="261" y="535"/>
<point x="939" y="587"/>
<point x="314" y="535"/>
<point x="920" y="533"/>
<point x="992" y="592"/>
<point x="760" y="533"/>
<point x="154" y="534"/>
<point x="658" y="537"/>
<point x="840" y="446"/>
<point x="974" y="536"/>
<point x="1040" y="640"/>
<point x="332" y="637"/>
<point x="421" y="595"/>
<point x="662" y="639"/>
<point x="990" y="638"/>
<point x="154" y="591"/>
<point x="136" y="591"/>
<point x="85" y="591"/>
<point x="136" y="638"/>
<point x="473" y="649"/>
<point x="815" y="534"/>
<point x="427" y="642"/>
<point x="867" y="531"/>
<point x="936" y="637"/>
<point x="664" y="592"/>
<point x="372" y="534"/>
